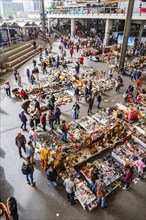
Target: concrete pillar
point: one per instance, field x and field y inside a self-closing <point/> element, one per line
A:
<point x="43" y="18"/>
<point x="72" y="26"/>
<point x="49" y="24"/>
<point x="108" y="26"/>
<point x="126" y="32"/>
<point x="141" y="30"/>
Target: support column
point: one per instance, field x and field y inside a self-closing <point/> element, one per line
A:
<point x="49" y="24"/>
<point x="107" y="32"/>
<point x="126" y="32"/>
<point x="43" y="18"/>
<point x="72" y="26"/>
<point x="141" y="31"/>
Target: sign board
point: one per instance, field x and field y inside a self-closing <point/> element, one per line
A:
<point x="131" y="40"/>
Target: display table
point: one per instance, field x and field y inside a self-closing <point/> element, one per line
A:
<point x="110" y="170"/>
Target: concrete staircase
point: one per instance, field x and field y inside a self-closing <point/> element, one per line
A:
<point x="18" y="56"/>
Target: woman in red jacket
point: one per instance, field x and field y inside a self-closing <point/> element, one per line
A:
<point x="71" y="52"/>
<point x="81" y="59"/>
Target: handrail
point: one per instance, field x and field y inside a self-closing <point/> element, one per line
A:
<point x="86" y="11"/>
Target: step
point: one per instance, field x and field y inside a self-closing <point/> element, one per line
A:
<point x="19" y="54"/>
<point x="24" y="61"/>
<point x="11" y="64"/>
<point x="16" y="50"/>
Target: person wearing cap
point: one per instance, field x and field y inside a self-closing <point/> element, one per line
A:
<point x="64" y="129"/>
<point x="100" y="189"/>
<point x="70" y="189"/>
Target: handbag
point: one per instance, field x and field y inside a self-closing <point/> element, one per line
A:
<point x="100" y="194"/>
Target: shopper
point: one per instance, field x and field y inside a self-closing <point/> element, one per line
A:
<point x="70" y="189"/>
<point x="44" y="153"/>
<point x="19" y="80"/>
<point x="43" y="121"/>
<point x="44" y="67"/>
<point x="77" y="68"/>
<point x="94" y="177"/>
<point x="86" y="93"/>
<point x="20" y="142"/>
<point x="100" y="188"/>
<point x="12" y="208"/>
<point x="37" y="105"/>
<point x="34" y="63"/>
<point x="15" y="74"/>
<point x="52" y="176"/>
<point x="23" y="119"/>
<point x="36" y="117"/>
<point x="51" y="118"/>
<point x="90" y="87"/>
<point x="28" y="170"/>
<point x="57" y="113"/>
<point x="71" y="52"/>
<point x="75" y="111"/>
<point x="78" y="47"/>
<point x="125" y="183"/>
<point x="140" y="166"/>
<point x="99" y="100"/>
<point x="28" y="74"/>
<point x="25" y="105"/>
<point x="33" y="134"/>
<point x="77" y="93"/>
<point x="64" y="129"/>
<point x="90" y="105"/>
<point x="7" y="88"/>
<point x="30" y="150"/>
<point x="32" y="79"/>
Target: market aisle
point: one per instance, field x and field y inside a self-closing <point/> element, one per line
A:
<point x="44" y="202"/>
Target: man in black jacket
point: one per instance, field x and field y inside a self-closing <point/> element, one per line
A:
<point x="52" y="176"/>
<point x="98" y="101"/>
<point x="90" y="102"/>
<point x="20" y="142"/>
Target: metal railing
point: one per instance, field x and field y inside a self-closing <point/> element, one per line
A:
<point x="90" y="11"/>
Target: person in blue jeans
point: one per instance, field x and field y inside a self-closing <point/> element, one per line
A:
<point x="29" y="176"/>
<point x="100" y="188"/>
<point x="52" y="176"/>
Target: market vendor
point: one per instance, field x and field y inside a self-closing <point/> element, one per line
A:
<point x="44" y="153"/>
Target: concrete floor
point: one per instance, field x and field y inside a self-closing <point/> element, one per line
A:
<point x="43" y="202"/>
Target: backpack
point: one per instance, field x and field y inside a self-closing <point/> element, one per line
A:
<point x="25" y="169"/>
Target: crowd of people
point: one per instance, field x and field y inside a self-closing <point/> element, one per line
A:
<point x="53" y="117"/>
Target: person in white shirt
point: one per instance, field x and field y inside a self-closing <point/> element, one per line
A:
<point x="7" y="88"/>
<point x="70" y="189"/>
